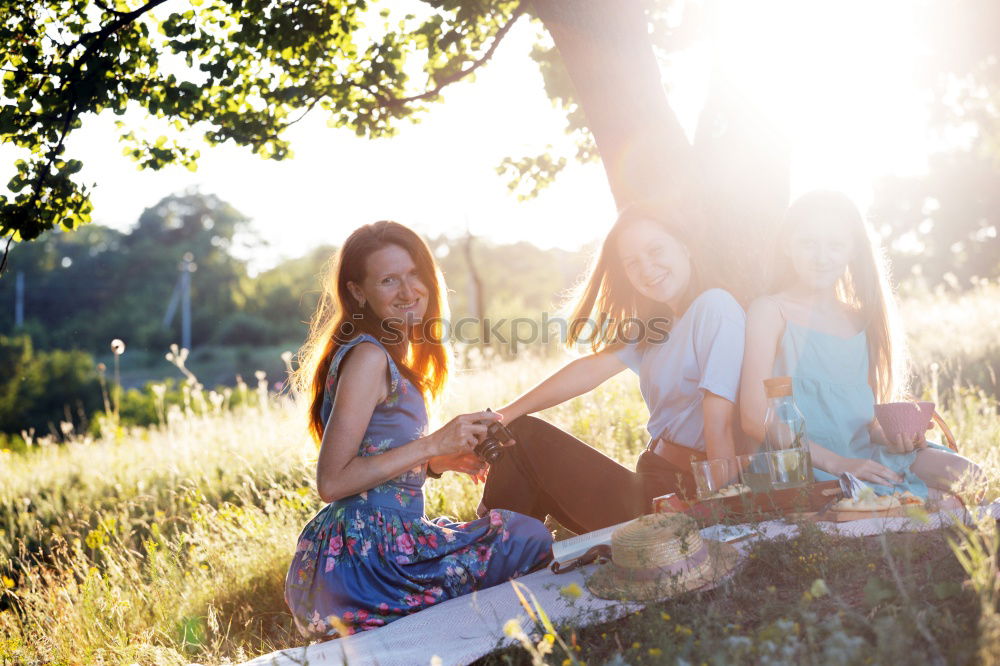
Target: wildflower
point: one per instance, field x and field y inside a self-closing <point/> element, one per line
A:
<point x="571" y="591"/>
<point x="665" y="615"/>
<point x="655" y="652"/>
<point x="512" y="628"/>
<point x="819" y="588"/>
<point x="7" y="582"/>
<point x="118" y="347"/>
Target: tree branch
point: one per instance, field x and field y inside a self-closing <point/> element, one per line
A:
<point x="395" y="102"/>
<point x="6" y="251"/>
<point x="99" y="38"/>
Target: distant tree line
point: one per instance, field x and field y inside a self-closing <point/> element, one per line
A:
<point x="84" y="288"/>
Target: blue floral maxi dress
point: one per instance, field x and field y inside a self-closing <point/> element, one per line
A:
<point x="371" y="558"/>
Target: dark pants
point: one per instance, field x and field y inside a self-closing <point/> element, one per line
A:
<point x="550" y="472"/>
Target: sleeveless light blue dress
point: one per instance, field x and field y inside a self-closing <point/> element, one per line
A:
<point x="371" y="558"/>
<point x="830" y="386"/>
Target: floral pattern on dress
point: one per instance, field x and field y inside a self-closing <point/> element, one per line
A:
<point x="371" y="558"/>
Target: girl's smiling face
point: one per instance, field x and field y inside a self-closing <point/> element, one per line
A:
<point x="820" y="249"/>
<point x="657" y="265"/>
<point x="392" y="286"/>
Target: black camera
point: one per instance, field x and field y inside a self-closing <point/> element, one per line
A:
<point x="490" y="449"/>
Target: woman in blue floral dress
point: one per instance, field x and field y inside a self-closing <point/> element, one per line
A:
<point x="373" y="356"/>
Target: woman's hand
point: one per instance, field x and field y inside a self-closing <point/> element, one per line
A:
<point x="905" y="443"/>
<point x="867" y="470"/>
<point x="466" y="463"/>
<point x="901" y="443"/>
<point x="461" y="434"/>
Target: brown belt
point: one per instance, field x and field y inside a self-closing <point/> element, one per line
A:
<point x="678" y="455"/>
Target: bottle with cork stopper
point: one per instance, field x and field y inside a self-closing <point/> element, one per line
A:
<point x="785" y="435"/>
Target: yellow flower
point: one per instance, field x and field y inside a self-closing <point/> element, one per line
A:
<point x="655" y="652"/>
<point x="665" y="616"/>
<point x="571" y="591"/>
<point x="635" y="645"/>
<point x="7" y="582"/>
<point x="512" y="628"/>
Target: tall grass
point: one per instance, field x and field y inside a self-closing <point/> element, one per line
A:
<point x="170" y="544"/>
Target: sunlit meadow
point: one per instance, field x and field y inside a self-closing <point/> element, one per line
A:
<point x="170" y="544"/>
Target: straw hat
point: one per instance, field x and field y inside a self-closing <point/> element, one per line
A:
<point x="658" y="555"/>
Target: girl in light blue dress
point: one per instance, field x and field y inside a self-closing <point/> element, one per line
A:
<point x="370" y="556"/>
<point x="828" y="324"/>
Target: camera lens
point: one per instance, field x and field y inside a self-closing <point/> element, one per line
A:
<point x="489" y="450"/>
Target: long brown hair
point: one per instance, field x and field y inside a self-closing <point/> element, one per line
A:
<point x="423" y="359"/>
<point x="864" y="286"/>
<point x="606" y="301"/>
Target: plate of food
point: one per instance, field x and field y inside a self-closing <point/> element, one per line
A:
<point x="867" y="504"/>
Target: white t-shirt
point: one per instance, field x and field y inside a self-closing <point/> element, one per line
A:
<point x="704" y="352"/>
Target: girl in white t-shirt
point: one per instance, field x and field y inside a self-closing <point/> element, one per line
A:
<point x="644" y="306"/>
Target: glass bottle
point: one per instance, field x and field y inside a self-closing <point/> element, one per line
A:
<point x="785" y="440"/>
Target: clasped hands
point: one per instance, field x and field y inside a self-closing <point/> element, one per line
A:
<point x="456" y="441"/>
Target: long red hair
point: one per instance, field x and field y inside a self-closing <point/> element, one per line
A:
<point x="422" y="358"/>
<point x="865" y="286"/>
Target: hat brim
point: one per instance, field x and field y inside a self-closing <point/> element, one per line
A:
<point x="613" y="582"/>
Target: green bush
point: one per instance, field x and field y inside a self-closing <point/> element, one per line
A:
<point x="39" y="389"/>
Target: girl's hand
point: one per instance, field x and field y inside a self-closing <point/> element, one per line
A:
<point x="466" y="463"/>
<point x="461" y="434"/>
<point x="508" y="414"/>
<point x="905" y="443"/>
<point x="868" y="470"/>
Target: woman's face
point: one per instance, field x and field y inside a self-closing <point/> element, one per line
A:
<point x="392" y="287"/>
<point x="657" y="264"/>
<point x="820" y="250"/>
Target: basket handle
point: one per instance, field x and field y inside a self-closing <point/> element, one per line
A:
<point x="949" y="438"/>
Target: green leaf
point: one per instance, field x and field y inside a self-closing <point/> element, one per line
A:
<point x="878" y="591"/>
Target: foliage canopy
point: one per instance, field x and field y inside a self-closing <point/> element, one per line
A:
<point x="231" y="70"/>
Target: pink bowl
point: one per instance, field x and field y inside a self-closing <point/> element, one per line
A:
<point x="904" y="418"/>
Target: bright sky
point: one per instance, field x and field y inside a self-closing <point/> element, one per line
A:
<point x="839" y="83"/>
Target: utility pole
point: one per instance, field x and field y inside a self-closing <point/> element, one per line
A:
<point x="187" y="268"/>
<point x="182" y="296"/>
<point x="19" y="300"/>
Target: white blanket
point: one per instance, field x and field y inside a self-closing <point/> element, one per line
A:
<point x="461" y="630"/>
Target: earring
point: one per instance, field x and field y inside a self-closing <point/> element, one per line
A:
<point x="361" y="303"/>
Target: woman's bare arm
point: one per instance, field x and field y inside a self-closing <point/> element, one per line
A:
<point x="764" y="327"/>
<point x="718" y="413"/>
<point x="573" y="379"/>
<point x="340" y="471"/>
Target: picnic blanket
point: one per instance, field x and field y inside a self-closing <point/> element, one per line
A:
<point x="461" y="630"/>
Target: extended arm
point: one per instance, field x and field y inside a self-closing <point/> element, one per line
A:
<point x="340" y="471"/>
<point x="573" y="379"/>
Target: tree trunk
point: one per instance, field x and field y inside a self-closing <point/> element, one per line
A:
<point x="738" y="167"/>
<point x="605" y="47"/>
